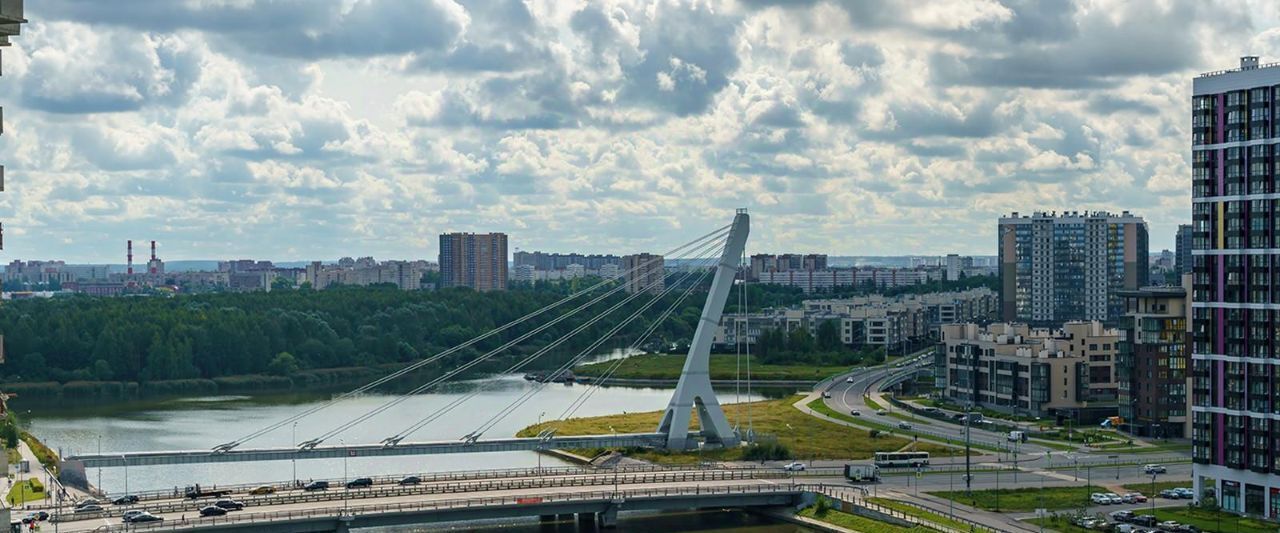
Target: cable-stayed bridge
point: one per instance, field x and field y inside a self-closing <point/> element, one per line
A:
<point x="717" y="254"/>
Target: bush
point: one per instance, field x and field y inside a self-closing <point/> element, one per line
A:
<point x="768" y="451"/>
<point x="875" y="433"/>
<point x="822" y="507"/>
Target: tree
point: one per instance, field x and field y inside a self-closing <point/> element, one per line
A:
<point x="283" y="364"/>
<point x="829" y="336"/>
<point x="800" y="341"/>
<point x="281" y="283"/>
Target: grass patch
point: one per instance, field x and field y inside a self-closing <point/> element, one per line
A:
<point x="927" y="516"/>
<point x="46" y="456"/>
<point x="1060" y="523"/>
<point x="871" y="404"/>
<point x="1159" y="486"/>
<point x="723" y="366"/>
<point x="805" y="436"/>
<point x="1024" y="500"/>
<point x="1210" y="520"/>
<point x="923" y="445"/>
<point x="857" y="523"/>
<point x="13" y="455"/>
<point x="30" y="490"/>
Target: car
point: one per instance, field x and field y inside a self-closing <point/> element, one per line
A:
<point x="1099" y="498"/>
<point x="904" y="425"/>
<point x="1115" y="498"/>
<point x="35" y="516"/>
<point x="1185" y="493"/>
<point x="1170" y="494"/>
<point x="129" y="515"/>
<point x="1121" y="516"/>
<point x="230" y="505"/>
<point x="794" y="467"/>
<point x="316" y="485"/>
<point x="1144" y="520"/>
<point x="90" y="508"/>
<point x="855" y="412"/>
<point x="1169" y="525"/>
<point x="125" y="500"/>
<point x="930" y="409"/>
<point x="1133" y="497"/>
<point x="87" y="501"/>
<point x="826" y="395"/>
<point x="848" y="379"/>
<point x="411" y="480"/>
<point x="1087" y="522"/>
<point x="881" y="412"/>
<point x="263" y="490"/>
<point x="1154" y="469"/>
<point x="360" y="483"/>
<point x="212" y="510"/>
<point x="145" y="517"/>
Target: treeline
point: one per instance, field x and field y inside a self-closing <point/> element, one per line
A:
<point x="824" y="347"/>
<point x="209" y="336"/>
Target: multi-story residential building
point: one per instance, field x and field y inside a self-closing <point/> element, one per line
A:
<point x="1152" y="366"/>
<point x="556" y="261"/>
<point x="825" y="280"/>
<point x="773" y="263"/>
<point x="406" y="275"/>
<point x="1067" y="373"/>
<point x="1235" y="287"/>
<point x="1057" y="268"/>
<point x="1182" y="260"/>
<point x="645" y="272"/>
<point x="37" y="272"/>
<point x="475" y="260"/>
<point x="956" y="265"/>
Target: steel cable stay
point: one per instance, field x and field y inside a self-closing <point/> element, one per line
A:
<point x="462" y="368"/>
<point x="598" y="383"/>
<point x="543" y="351"/>
<point x="714" y="234"/>
<point x="519" y="401"/>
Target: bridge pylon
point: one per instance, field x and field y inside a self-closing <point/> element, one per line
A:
<point x="694" y="388"/>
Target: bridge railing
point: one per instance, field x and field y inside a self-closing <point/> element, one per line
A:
<point x="449" y="487"/>
<point x="859" y="498"/>
<point x="336" y="512"/>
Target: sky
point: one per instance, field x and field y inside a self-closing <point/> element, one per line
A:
<point x="314" y="129"/>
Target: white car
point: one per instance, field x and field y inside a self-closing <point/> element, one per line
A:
<point x="848" y="379"/>
<point x="1099" y="498"/>
<point x="1154" y="469"/>
<point x="794" y="467"/>
<point x="1115" y="498"/>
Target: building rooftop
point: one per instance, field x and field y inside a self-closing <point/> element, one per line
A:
<point x="1246" y="63"/>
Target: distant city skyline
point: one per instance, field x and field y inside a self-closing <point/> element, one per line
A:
<point x="595" y="126"/>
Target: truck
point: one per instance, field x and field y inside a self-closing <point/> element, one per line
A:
<point x="1017" y="436"/>
<point x="195" y="493"/>
<point x="861" y="473"/>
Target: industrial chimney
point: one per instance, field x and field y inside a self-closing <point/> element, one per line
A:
<point x="130" y="257"/>
<point x="151" y="265"/>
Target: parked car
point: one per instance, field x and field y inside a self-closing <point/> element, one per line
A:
<point x="411" y="480"/>
<point x="1170" y="494"/>
<point x="1154" y="469"/>
<point x="230" y="505"/>
<point x="212" y="510"/>
<point x="1099" y="498"/>
<point x="129" y="499"/>
<point x="90" y="508"/>
<point x="1169" y="525"/>
<point x="1185" y="493"/>
<point x="360" y="483"/>
<point x="316" y="485"/>
<point x="904" y="425"/>
<point x="1115" y="498"/>
<point x="1134" y="497"/>
<point x="1144" y="520"/>
<point x="263" y="490"/>
<point x="1123" y="528"/>
<point x="794" y="467"/>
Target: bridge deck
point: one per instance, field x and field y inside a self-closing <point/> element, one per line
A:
<point x="107" y="460"/>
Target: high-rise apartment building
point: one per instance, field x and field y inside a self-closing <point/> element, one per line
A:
<point x="1152" y="365"/>
<point x="645" y="272"/>
<point x="1182" y="261"/>
<point x="475" y="260"/>
<point x="1235" y="217"/>
<point x="1056" y="268"/>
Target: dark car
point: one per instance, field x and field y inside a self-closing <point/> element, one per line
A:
<point x="1144" y="520"/>
<point x="125" y="500"/>
<point x="213" y="510"/>
<point x="230" y="505"/>
<point x="90" y="508"/>
<point x="411" y="480"/>
<point x="316" y="485"/>
<point x="144" y="517"/>
<point x="41" y="515"/>
<point x="360" y="483"/>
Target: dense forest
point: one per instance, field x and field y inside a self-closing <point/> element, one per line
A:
<point x="824" y="347"/>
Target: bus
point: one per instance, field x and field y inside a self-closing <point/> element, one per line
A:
<point x="901" y="459"/>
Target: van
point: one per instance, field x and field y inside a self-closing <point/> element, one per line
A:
<point x="1016" y="436"/>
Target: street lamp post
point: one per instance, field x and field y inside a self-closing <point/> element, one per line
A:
<point x="538" y="451"/>
<point x="293" y="439"/>
<point x="345" y="488"/>
<point x="99" y="468"/>
<point x="1153" y="493"/>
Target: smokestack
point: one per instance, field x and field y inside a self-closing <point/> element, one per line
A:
<point x="152" y="265"/>
<point x="153" y="250"/>
<point x="130" y="257"/>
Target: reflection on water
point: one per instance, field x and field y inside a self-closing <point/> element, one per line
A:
<point x="203" y="422"/>
<point x="701" y="521"/>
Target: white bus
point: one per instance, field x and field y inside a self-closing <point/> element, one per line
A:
<point x="901" y="459"/>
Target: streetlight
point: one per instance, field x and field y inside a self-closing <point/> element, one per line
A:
<point x="293" y="440"/>
<point x="99" y="468"/>
<point x="345" y="488"/>
<point x="1153" y="494"/>
<point x="538" y="451"/>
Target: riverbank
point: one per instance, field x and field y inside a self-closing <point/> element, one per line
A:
<point x="724" y="368"/>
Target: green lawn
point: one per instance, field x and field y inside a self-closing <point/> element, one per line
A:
<point x="858" y="523"/>
<point x="871" y="404"/>
<point x="1213" y="520"/>
<point x="1060" y="523"/>
<point x="805" y="436"/>
<point x="922" y="445"/>
<point x="1024" y="500"/>
<point x="1146" y="489"/>
<point x="30" y="490"/>
<point x="927" y="516"/>
<point x="723" y="366"/>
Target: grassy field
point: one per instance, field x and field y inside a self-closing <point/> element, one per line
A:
<point x="1212" y="520"/>
<point x="1060" y="523"/>
<point x="927" y="516"/>
<point x="1024" y="500"/>
<point x="858" y="523"/>
<point x="652" y="366"/>
<point x="806" y="436"/>
<point x="923" y="445"/>
<point x="1146" y="489"/>
<point x="871" y="404"/>
<point x="30" y="490"/>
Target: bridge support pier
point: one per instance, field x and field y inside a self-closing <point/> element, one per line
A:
<point x="344" y="524"/>
<point x="586" y="521"/>
<point x="609" y="518"/>
<point x="565" y="517"/>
